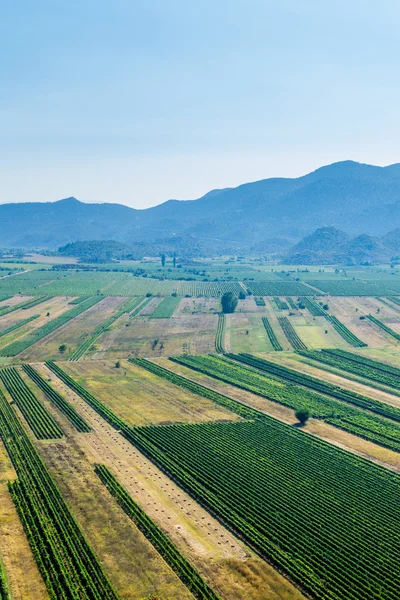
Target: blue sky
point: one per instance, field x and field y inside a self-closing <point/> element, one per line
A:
<point x="138" y="101"/>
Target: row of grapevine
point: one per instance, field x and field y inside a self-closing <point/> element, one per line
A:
<point x="271" y="335"/>
<point x="79" y="300"/>
<point x="344" y="332"/>
<point x="280" y="288"/>
<point x="259" y="300"/>
<point x="196" y="388"/>
<point x="4" y="593"/>
<point x="139" y="308"/>
<point x="364" y="424"/>
<point x="358" y="365"/>
<point x="61" y="403"/>
<point x="315" y="309"/>
<point x="291" y="303"/>
<point x="36" y="414"/>
<point x="318" y="385"/>
<point x="17" y="325"/>
<point x="285" y="493"/>
<point x="166" y="308"/>
<point x="66" y="562"/>
<point x="280" y="303"/>
<point x="34" y="336"/>
<point x="290" y="333"/>
<point x="385" y="301"/>
<point x="126" y="307"/>
<point x="24" y="305"/>
<point x="394" y="299"/>
<point x="161" y="542"/>
<point x="98" y="406"/>
<point x="388" y="330"/>
<point x="220" y="334"/>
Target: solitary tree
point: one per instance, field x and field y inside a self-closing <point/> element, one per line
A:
<point x="174" y="261"/>
<point x="228" y="302"/>
<point x="242" y="296"/>
<point x="62" y="348"/>
<point x="302" y="415"/>
<point x="117" y="364"/>
<point x="163" y="260"/>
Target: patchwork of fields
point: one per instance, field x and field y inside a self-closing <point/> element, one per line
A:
<point x="151" y="446"/>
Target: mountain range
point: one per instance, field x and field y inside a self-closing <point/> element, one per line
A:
<point x="267" y="216"/>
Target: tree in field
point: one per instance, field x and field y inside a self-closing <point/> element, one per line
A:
<point x="117" y="364"/>
<point x="62" y="348"/>
<point x="163" y="260"/>
<point x="302" y="415"/>
<point x="242" y="296"/>
<point x="228" y="302"/>
<point x="174" y="261"/>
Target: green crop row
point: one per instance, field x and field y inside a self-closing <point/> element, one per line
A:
<point x="358" y="365"/>
<point x="161" y="542"/>
<point x="259" y="300"/>
<point x="303" y="504"/>
<point x="69" y="568"/>
<point x="291" y="303"/>
<point x="24" y="305"/>
<point x="36" y="414"/>
<point x="17" y="325"/>
<point x="61" y="403"/>
<point x="280" y="304"/>
<point x="271" y="335"/>
<point x="34" y="336"/>
<point x="220" y="334"/>
<point x="290" y="333"/>
<point x="318" y="385"/>
<point x="4" y="593"/>
<point x="388" y="330"/>
<point x="364" y="424"/>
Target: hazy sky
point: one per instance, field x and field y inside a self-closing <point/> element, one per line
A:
<point x="138" y="101"/>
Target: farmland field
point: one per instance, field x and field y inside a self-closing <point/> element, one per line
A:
<point x="152" y="445"/>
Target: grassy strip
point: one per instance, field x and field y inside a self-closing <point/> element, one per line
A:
<point x="290" y="333"/>
<point x="220" y="334"/>
<point x="160" y="541"/>
<point x="126" y="307"/>
<point x="42" y="423"/>
<point x="384" y="327"/>
<point x="98" y="406"/>
<point x="318" y="385"/>
<point x="34" y="336"/>
<point x="17" y="325"/>
<point x="271" y="335"/>
<point x="61" y="403"/>
<point x="69" y="568"/>
<point x="246" y="412"/>
<point x="166" y="308"/>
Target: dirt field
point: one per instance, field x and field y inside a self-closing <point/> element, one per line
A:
<point x="189" y="334"/>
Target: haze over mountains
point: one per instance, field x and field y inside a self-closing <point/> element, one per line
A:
<point x="265" y="216"/>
